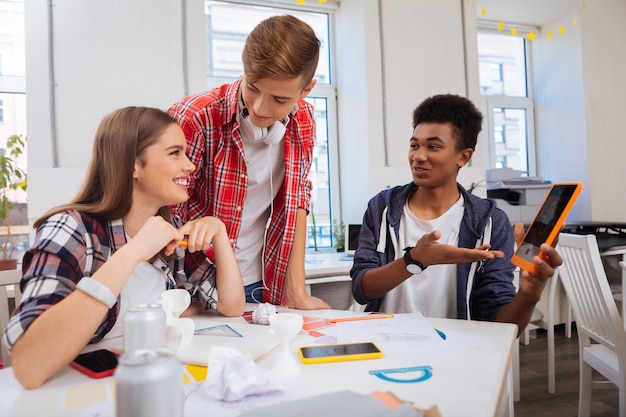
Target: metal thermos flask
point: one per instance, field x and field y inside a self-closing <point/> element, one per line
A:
<point x="149" y="383"/>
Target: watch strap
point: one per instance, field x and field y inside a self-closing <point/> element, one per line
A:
<point x="408" y="259"/>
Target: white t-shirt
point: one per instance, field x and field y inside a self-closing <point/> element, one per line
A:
<point x="143" y="287"/>
<point x="433" y="292"/>
<point x="262" y="163"/>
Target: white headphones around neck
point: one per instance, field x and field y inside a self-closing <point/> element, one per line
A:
<point x="269" y="135"/>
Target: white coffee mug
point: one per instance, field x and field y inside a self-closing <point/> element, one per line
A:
<point x="285" y="326"/>
<point x="175" y="301"/>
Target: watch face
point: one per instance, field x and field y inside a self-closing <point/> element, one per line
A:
<point x="413" y="267"/>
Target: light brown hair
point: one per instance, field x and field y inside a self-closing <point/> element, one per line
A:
<point x="121" y="138"/>
<point x="279" y="48"/>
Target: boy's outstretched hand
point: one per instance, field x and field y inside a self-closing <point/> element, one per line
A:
<point x="430" y="252"/>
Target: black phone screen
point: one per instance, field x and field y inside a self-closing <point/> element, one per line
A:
<point x="339" y="350"/>
<point x="98" y="360"/>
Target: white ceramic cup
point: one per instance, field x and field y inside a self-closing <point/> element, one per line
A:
<point x="179" y="330"/>
<point x="175" y="301"/>
<point x="285" y="326"/>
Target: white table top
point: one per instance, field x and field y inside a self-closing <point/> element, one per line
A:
<point x="467" y="382"/>
<point x="324" y="264"/>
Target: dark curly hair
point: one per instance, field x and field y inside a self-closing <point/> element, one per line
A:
<point x="461" y="113"/>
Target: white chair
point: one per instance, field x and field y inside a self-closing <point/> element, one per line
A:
<point x="623" y="298"/>
<point x="536" y="322"/>
<point x="601" y="334"/>
<point x="9" y="298"/>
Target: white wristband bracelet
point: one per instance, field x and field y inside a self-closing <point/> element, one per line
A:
<point x="97" y="291"/>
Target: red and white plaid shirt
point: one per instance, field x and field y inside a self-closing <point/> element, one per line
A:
<point x="218" y="186"/>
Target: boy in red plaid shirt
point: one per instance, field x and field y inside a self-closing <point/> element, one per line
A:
<point x="252" y="143"/>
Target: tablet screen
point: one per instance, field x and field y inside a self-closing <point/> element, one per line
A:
<point x="552" y="210"/>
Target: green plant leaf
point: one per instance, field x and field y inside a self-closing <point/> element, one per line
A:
<point x="12" y="177"/>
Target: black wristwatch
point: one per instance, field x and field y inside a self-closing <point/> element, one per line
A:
<point x="413" y="266"/>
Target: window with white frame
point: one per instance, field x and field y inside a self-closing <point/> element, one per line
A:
<point x="506" y="98"/>
<point x="12" y="73"/>
<point x="13" y="109"/>
<point x="227" y="24"/>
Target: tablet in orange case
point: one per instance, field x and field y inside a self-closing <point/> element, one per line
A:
<point x="547" y="223"/>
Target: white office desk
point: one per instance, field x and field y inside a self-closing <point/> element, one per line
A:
<point x="332" y="269"/>
<point x="470" y="382"/>
<point x="325" y="264"/>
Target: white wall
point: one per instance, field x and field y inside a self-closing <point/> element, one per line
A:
<point x="423" y="47"/>
<point x="360" y="102"/>
<point x="604" y="60"/>
<point x="113" y="54"/>
<point x="580" y="104"/>
<point x="107" y="55"/>
<point x="560" y="111"/>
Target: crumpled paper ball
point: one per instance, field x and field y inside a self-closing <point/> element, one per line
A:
<point x="233" y="376"/>
<point x="261" y="314"/>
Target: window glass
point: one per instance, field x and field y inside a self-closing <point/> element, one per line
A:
<point x="320" y="177"/>
<point x="12" y="72"/>
<point x="510" y="138"/>
<point x="506" y="101"/>
<point x="502" y="65"/>
<point x="13" y="111"/>
<point x="228" y="24"/>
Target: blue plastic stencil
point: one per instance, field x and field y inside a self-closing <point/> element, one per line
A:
<point x="425" y="372"/>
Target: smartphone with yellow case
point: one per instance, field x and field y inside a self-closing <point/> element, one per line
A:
<point x="339" y="352"/>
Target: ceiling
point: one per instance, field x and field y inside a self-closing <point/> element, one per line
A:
<point x="526" y="12"/>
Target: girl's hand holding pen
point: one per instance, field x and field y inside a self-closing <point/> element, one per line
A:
<point x="199" y="234"/>
<point x="155" y="234"/>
